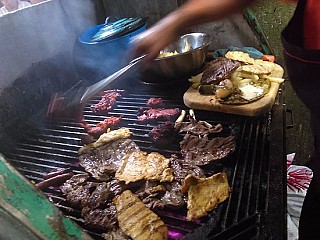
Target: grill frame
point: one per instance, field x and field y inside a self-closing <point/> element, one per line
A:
<point x="249" y="223"/>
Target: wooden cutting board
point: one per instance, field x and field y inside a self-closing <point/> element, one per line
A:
<point x="193" y="99"/>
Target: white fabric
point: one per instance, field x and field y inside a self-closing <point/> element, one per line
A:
<point x="298" y="180"/>
<point x="21" y="4"/>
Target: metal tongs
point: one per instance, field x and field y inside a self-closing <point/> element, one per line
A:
<point x="71" y="103"/>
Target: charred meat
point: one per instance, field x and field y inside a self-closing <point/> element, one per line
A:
<point x="105" y="160"/>
<point x="94" y="199"/>
<point x="201" y="150"/>
<point x="163" y="134"/>
<point x="199" y="128"/>
<point x="181" y="169"/>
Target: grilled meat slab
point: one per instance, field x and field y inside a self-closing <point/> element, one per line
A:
<point x="204" y="194"/>
<point x="104" y="161"/>
<point x="181" y="169"/>
<point x="201" y="151"/>
<point x="138" y="165"/>
<point x="94" y="200"/>
<point x="138" y="221"/>
<point x="106" y="138"/>
<point x="218" y="70"/>
<point x="163" y="134"/>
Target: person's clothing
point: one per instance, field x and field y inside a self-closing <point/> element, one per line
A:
<point x="311" y="25"/>
<point x="303" y="69"/>
<point x="21" y="4"/>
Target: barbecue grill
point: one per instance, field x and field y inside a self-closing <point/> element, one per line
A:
<point x="256" y="206"/>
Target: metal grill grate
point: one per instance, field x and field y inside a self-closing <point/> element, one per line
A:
<point x="56" y="145"/>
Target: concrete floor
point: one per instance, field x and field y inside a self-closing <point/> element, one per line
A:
<point x="272" y="16"/>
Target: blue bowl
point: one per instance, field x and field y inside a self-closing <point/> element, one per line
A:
<point x="96" y="60"/>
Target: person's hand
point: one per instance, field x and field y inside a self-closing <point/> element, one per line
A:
<point x="154" y="39"/>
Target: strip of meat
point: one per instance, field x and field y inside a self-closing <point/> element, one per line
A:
<point x="140" y="165"/>
<point x="108" y="99"/>
<point x="101" y="127"/>
<point x="201" y="151"/>
<point x="56" y="180"/>
<point x="160" y="114"/>
<point x="138" y="221"/>
<point x="56" y="172"/>
<point x="204" y="194"/>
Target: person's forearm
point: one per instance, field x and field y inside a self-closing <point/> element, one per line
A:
<point x="195" y="12"/>
<point x="192" y="13"/>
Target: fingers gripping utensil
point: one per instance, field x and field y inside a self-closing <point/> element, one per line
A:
<point x="71" y="103"/>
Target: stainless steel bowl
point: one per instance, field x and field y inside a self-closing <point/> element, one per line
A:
<point x="181" y="65"/>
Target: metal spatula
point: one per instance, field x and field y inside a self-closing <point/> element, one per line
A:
<point x="71" y="103"/>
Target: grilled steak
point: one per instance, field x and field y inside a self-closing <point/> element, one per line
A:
<point x="218" y="70"/>
<point x="138" y="221"/>
<point x="77" y="190"/>
<point x="138" y="165"/>
<point x="102" y="158"/>
<point x="198" y="127"/>
<point x="150" y="194"/>
<point x="104" y="161"/>
<point x="158" y="114"/>
<point x="115" y="234"/>
<point x="173" y="197"/>
<point x="94" y="200"/>
<point x="106" y="138"/>
<point x="181" y="169"/>
<point x="201" y="151"/>
<point x="100" y="219"/>
<point x="163" y="134"/>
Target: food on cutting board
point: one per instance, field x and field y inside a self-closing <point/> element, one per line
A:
<point x="236" y="78"/>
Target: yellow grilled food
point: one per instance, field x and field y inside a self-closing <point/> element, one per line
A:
<point x="138" y="221"/>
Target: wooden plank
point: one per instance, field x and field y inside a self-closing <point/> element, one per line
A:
<point x="193" y="99"/>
